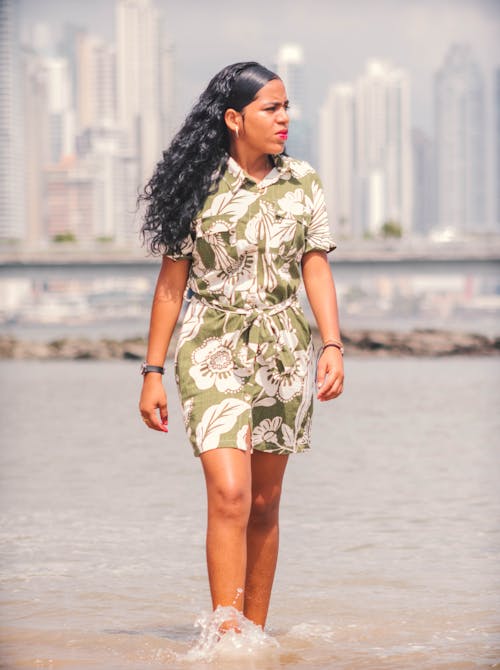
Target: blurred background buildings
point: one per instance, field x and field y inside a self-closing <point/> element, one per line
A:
<point x="84" y="118"/>
<point x="84" y="121"/>
<point x="365" y="155"/>
<point x="95" y="117"/>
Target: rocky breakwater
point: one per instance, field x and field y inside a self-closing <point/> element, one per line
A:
<point x="73" y="348"/>
<point x="419" y="342"/>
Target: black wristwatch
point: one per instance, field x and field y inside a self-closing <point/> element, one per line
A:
<point x="145" y="368"/>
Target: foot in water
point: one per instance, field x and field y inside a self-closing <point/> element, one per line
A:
<point x="226" y="632"/>
<point x="229" y="625"/>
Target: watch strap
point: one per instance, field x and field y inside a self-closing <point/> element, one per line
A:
<point x="145" y="368"/>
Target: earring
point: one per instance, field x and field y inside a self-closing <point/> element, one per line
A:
<point x="237" y="132"/>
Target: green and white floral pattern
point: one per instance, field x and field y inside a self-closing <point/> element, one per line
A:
<point x="244" y="356"/>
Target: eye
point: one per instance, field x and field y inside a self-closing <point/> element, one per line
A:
<point x="275" y="108"/>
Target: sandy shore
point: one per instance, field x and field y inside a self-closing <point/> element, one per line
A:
<point x="420" y="342"/>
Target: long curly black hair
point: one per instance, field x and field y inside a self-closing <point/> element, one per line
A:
<point x="194" y="162"/>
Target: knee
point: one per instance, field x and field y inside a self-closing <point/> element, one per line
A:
<point x="230" y="503"/>
<point x="265" y="508"/>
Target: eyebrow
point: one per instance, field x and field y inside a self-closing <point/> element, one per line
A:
<point x="274" y="102"/>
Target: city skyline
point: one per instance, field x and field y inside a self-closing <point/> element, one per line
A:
<point x="415" y="35"/>
<point x="99" y="110"/>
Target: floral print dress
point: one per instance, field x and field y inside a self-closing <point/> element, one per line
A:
<point x="244" y="357"/>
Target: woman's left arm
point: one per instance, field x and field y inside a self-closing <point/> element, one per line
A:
<point x="320" y="289"/>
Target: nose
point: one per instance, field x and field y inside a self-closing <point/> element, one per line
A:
<point x="283" y="115"/>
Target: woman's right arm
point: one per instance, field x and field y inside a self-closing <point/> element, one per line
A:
<point x="167" y="303"/>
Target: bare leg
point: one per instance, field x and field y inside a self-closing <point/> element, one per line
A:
<point x="263" y="533"/>
<point x="228" y="480"/>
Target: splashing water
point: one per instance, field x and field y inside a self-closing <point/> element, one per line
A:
<point x="250" y="640"/>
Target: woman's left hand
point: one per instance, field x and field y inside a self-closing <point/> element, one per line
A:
<point x="330" y="374"/>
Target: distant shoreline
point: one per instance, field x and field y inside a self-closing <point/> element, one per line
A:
<point x="367" y="342"/>
<point x="472" y="249"/>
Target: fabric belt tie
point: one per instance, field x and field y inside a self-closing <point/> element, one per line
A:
<point x="258" y="328"/>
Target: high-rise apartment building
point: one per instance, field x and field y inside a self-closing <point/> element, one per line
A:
<point x="496" y="135"/>
<point x="69" y="200"/>
<point x="138" y="74"/>
<point x="459" y="132"/>
<point x="62" y="128"/>
<point x="95" y="82"/>
<point x="336" y="156"/>
<point x="109" y="149"/>
<point x="168" y="110"/>
<point x="290" y="68"/>
<point x="424" y="183"/>
<point x="144" y="96"/>
<point x="103" y="155"/>
<point x="36" y="146"/>
<point x="12" y="225"/>
<point x="68" y="49"/>
<point x="382" y="163"/>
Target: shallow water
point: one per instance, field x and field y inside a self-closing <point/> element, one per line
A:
<point x="390" y="526"/>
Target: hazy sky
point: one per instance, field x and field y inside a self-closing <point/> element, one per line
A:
<point x="338" y="36"/>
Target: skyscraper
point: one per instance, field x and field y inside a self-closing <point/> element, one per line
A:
<point x="138" y="73"/>
<point x="95" y="82"/>
<point x="168" y="109"/>
<point x="60" y="106"/>
<point x="382" y="163"/>
<point x="336" y="156"/>
<point x="496" y="135"/>
<point x="67" y="49"/>
<point x="290" y="68"/>
<point x="36" y="145"/>
<point x="424" y="182"/>
<point x="12" y="225"/>
<point x="459" y="132"/>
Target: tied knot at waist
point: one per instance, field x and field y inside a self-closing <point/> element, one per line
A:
<point x="260" y="331"/>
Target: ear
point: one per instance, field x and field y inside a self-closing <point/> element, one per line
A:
<point x="232" y="119"/>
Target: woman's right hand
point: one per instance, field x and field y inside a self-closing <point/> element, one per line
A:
<point x="153" y="403"/>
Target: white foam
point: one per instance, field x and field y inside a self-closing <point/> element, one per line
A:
<point x="249" y="641"/>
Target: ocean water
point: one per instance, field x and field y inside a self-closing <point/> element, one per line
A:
<point x="390" y="531"/>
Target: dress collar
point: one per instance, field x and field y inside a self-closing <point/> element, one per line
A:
<point x="236" y="175"/>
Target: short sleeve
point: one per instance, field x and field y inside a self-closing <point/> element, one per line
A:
<point x="318" y="236"/>
<point x="185" y="252"/>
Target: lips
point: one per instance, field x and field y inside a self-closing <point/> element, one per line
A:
<point x="283" y="134"/>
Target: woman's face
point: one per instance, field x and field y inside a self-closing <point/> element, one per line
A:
<point x="263" y="126"/>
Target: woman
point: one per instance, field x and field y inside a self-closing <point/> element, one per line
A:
<point x="237" y="221"/>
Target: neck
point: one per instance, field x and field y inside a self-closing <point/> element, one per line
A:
<point x="256" y="165"/>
